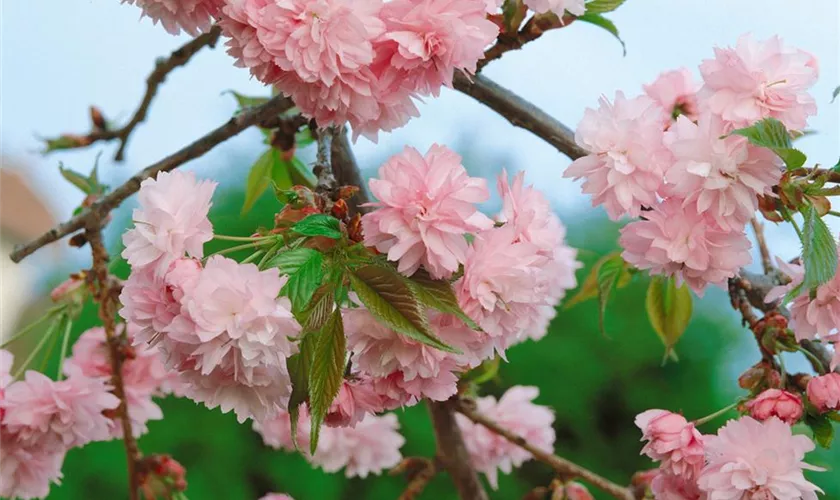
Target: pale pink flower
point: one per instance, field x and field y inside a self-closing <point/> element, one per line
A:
<point x="676" y="93"/>
<point x="668" y="486"/>
<point x="626" y="160"/>
<point x="27" y="473"/>
<point x="7" y="359"/>
<point x="820" y="316"/>
<point x="368" y="448"/>
<point x="718" y="176"/>
<point x="516" y="412"/>
<point x="475" y="346"/>
<point x="429" y="40"/>
<point x="426" y="205"/>
<point x="276" y="430"/>
<point x="559" y="7"/>
<point x="752" y="459"/>
<point x="171" y="221"/>
<point x="70" y="290"/>
<point x="356" y="398"/>
<point x="677" y="241"/>
<point x="572" y="491"/>
<point x="672" y="440"/>
<point x="192" y="16"/>
<point x="824" y="392"/>
<point x="276" y="496"/>
<point x="776" y="403"/>
<point x="46" y="416"/>
<point x="760" y="79"/>
<point x="795" y="272"/>
<point x="239" y="23"/>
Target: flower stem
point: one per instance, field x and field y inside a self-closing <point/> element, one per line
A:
<point x="232" y="249"/>
<point x="64" y="343"/>
<point x="32" y="325"/>
<point x="253" y="256"/>
<point x="242" y="238"/>
<point x="707" y="418"/>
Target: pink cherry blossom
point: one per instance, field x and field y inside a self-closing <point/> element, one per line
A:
<point x="192" y="16"/>
<point x="368" y="448"/>
<point x="49" y="416"/>
<point x="820" y="316"/>
<point x="677" y="241"/>
<point x="572" y="491"/>
<point x="426" y="205"/>
<point x="356" y="398"/>
<point x="824" y="392"/>
<point x="168" y="223"/>
<point x="429" y="40"/>
<point x="27" y="473"/>
<point x="776" y="403"/>
<point x="760" y="79"/>
<point x="672" y="440"/>
<point x="675" y="92"/>
<point x="276" y="496"/>
<point x="717" y="176"/>
<point x="626" y="160"/>
<point x="516" y="412"/>
<point x="668" y="486"/>
<point x="559" y="7"/>
<point x="276" y="430"/>
<point x="752" y="459"/>
<point x="795" y="273"/>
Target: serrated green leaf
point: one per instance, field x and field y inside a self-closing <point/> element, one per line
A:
<point x="245" y="101"/>
<point x="822" y="428"/>
<point x="258" y="179"/>
<point x="819" y="250"/>
<point x="303" y="282"/>
<point x="393" y="302"/>
<point x="314" y="316"/>
<point x="669" y="310"/>
<point x="289" y="262"/>
<point x="603" y="6"/>
<point x="589" y="288"/>
<point x="607" y="277"/>
<point x="438" y="295"/>
<point x="770" y="133"/>
<point x="299" y="365"/>
<point x="327" y="372"/>
<point x="603" y="22"/>
<point x="319" y="225"/>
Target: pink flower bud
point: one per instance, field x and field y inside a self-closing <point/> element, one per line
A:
<point x="672" y="440"/>
<point x="69" y="290"/>
<point x="573" y="491"/>
<point x="824" y="392"/>
<point x="776" y="403"/>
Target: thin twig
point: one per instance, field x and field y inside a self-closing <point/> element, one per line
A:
<point x="346" y="170"/>
<point x="520" y="113"/>
<point x="193" y="150"/>
<point x="452" y="451"/>
<point x="560" y="465"/>
<point x="766" y="259"/>
<point x="419" y="471"/>
<point x="106" y="298"/>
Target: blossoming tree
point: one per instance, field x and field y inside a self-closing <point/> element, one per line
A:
<point x="350" y="307"/>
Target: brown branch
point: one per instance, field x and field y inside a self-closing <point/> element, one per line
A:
<point x="323" y="169"/>
<point x="520" y="113"/>
<point x="532" y="30"/>
<point x="419" y="471"/>
<point x="163" y="67"/>
<point x="830" y="175"/>
<point x="107" y="298"/>
<point x="107" y="203"/>
<point x="453" y="453"/>
<point x="766" y="259"/>
<point x="562" y="466"/>
<point x="346" y="169"/>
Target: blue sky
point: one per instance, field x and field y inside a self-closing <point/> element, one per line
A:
<point x="58" y="57"/>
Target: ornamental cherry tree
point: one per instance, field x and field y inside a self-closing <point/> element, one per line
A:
<point x="362" y="299"/>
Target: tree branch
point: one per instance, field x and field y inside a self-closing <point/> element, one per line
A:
<point x="520" y="113"/>
<point x="766" y="259"/>
<point x="346" y="169"/>
<point x="163" y="67"/>
<point x="419" y="471"/>
<point x="452" y="451"/>
<point x="107" y="203"/>
<point x="106" y="296"/>
<point x="560" y="465"/>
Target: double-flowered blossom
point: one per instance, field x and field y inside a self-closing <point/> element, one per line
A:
<point x="626" y="161"/>
<point x="777" y="403"/>
<point x="672" y="440"/>
<point x="668" y="486"/>
<point x="676" y="93"/>
<point x="426" y="206"/>
<point x="760" y="79"/>
<point x="674" y="240"/>
<point x="191" y="16"/>
<point x="757" y="460"/>
<point x="356" y="398"/>
<point x="516" y="412"/>
<point x="171" y="221"/>
<point x="811" y="317"/>
<point x="824" y="392"/>
<point x="718" y="176"/>
<point x="559" y="7"/>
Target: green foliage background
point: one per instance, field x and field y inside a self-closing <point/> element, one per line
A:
<point x="596" y="384"/>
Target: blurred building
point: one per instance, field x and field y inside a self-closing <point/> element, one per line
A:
<point x="23" y="216"/>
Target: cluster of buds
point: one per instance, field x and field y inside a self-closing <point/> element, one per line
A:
<point x="302" y="202"/>
<point x="773" y="333"/>
<point x="73" y="141"/>
<point x="162" y="477"/>
<point x="797" y="189"/>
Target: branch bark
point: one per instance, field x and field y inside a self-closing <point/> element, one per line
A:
<point x="560" y="465"/>
<point x="107" y="203"/>
<point x="453" y="453"/>
<point x="346" y="169"/>
<point x="520" y="113"/>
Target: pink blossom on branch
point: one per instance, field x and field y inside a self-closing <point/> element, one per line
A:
<point x="677" y="241"/>
<point x="192" y="16"/>
<point x="356" y="398"/>
<point x="559" y="7"/>
<point x="760" y="79"/>
<point x="626" y="161"/>
<point x="426" y="205"/>
<point x="824" y="392"/>
<point x="27" y="473"/>
<point x="777" y="403"/>
<point x="676" y="93"/>
<point x="672" y="440"/>
<point x="276" y="496"/>
<point x="819" y="316"/>
<point x="668" y="486"/>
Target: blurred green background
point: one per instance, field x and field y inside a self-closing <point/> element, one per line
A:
<point x="596" y="384"/>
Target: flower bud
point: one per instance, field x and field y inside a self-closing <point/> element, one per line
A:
<point x="776" y="403"/>
<point x="97" y="118"/>
<point x="161" y="476"/>
<point x="572" y="491"/>
<point x="824" y="392"/>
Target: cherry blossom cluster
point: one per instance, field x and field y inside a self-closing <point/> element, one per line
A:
<point x="668" y="158"/>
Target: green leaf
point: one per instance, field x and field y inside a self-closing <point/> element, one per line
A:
<point x="258" y="179"/>
<point x="304" y="281"/>
<point x="589" y="288"/>
<point x="393" y="302"/>
<point x="299" y="366"/>
<point x="319" y="225"/>
<point x="603" y="6"/>
<point x="76" y="179"/>
<point x="669" y="310"/>
<point x="770" y="133"/>
<point x="603" y="22"/>
<point x="484" y="372"/>
<point x="314" y="316"/>
<point x="301" y="174"/>
<point x="281" y="174"/>
<point x="513" y="12"/>
<point x="835" y="94"/>
<point x="245" y="101"/>
<point x="819" y="250"/>
<point x="291" y="261"/>
<point x="608" y="275"/>
<point x="327" y="372"/>
<point x="822" y="428"/>
<point x="438" y="295"/>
